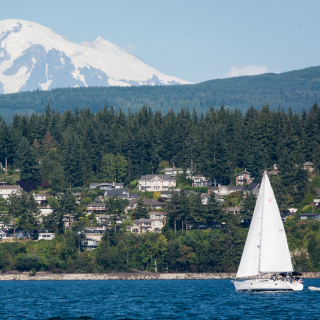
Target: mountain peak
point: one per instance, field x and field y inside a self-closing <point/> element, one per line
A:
<point x="34" y="57"/>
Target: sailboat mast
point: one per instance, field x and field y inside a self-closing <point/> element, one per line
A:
<point x="262" y="211"/>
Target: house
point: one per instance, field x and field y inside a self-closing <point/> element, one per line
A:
<point x="40" y="198"/>
<point x="244" y="177"/>
<point x="106" y="219"/>
<point x="204" y="198"/>
<point x="175" y="171"/>
<point x="234" y="210"/>
<point x="95" y="233"/>
<point x="254" y="188"/>
<point x="315" y="216"/>
<point x="155" y="204"/>
<point x="89" y="244"/>
<point x="146" y="225"/>
<point x="46" y="236"/>
<point x="96" y="208"/>
<point x="120" y="193"/>
<point x="7" y="190"/>
<point x="200" y="181"/>
<point x="77" y="195"/>
<point x="166" y="194"/>
<point x="157" y="215"/>
<point x="308" y="166"/>
<point x="226" y="190"/>
<point x="3" y="235"/>
<point x="106" y="185"/>
<point x="156" y="182"/>
<point x="293" y="210"/>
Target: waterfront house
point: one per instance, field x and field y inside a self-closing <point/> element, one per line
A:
<point x="106" y="185"/>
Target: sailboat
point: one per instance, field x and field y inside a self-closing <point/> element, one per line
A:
<point x="266" y="250"/>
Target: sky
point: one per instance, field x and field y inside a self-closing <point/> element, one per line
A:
<point x="193" y="40"/>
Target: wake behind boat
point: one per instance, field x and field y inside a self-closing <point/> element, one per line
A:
<point x="266" y="250"/>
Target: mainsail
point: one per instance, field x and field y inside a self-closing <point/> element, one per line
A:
<point x="266" y="249"/>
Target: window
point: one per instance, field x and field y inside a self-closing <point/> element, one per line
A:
<point x="157" y="224"/>
<point x="156" y="188"/>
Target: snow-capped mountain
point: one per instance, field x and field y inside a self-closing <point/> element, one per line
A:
<point x="34" y="57"/>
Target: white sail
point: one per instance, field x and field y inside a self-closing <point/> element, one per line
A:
<point x="275" y="254"/>
<point x="266" y="249"/>
<point x="249" y="264"/>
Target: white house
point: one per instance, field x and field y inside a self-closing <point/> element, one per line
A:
<point x="146" y="225"/>
<point x="40" y="198"/>
<point x="200" y="181"/>
<point x="7" y="190"/>
<point x="46" y="236"/>
<point x="156" y="182"/>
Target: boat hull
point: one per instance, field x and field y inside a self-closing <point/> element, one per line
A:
<point x="267" y="285"/>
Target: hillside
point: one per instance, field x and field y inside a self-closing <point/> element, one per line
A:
<point x="298" y="89"/>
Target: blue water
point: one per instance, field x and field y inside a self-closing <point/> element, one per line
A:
<point x="158" y="299"/>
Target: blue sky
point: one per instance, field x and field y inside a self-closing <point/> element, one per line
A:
<point x="193" y="40"/>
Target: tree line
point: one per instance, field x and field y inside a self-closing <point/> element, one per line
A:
<point x="73" y="149"/>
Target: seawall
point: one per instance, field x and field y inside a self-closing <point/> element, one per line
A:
<point x="127" y="276"/>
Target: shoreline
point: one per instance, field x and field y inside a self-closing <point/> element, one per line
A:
<point x="128" y="276"/>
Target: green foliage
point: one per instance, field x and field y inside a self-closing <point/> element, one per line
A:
<point x="141" y="210"/>
<point x="113" y="168"/>
<point x="28" y="262"/>
<point x="27" y="161"/>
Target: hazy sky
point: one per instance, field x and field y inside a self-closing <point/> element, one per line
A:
<point x="194" y="40"/>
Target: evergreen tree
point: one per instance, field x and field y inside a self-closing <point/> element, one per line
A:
<point x="27" y="161"/>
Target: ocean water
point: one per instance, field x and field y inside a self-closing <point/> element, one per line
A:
<point x="152" y="299"/>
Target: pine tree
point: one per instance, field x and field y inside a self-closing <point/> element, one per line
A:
<point x="29" y="168"/>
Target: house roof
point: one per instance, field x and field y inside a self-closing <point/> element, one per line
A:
<point x="116" y="192"/>
<point x="152" y="202"/>
<point x="147" y="220"/>
<point x="102" y="204"/>
<point x="165" y="177"/>
<point x="9" y="186"/>
<point x="245" y="171"/>
<point x="252" y="186"/>
<point x="96" y="184"/>
<point x="234" y="208"/>
<point x="158" y="212"/>
<point x="132" y="202"/>
<point x="308" y="163"/>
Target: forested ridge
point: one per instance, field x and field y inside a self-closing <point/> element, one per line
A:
<point x="70" y="150"/>
<point x="72" y="144"/>
<point x="298" y="89"/>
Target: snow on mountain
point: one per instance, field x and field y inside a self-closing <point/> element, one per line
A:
<point x="34" y="57"/>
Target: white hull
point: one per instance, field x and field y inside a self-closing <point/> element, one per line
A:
<point x="314" y="289"/>
<point x="267" y="285"/>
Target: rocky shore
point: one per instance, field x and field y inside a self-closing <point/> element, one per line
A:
<point x="126" y="276"/>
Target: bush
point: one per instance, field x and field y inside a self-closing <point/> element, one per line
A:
<point x="28" y="262"/>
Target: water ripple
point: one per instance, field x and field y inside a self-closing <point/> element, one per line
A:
<point x="131" y="300"/>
